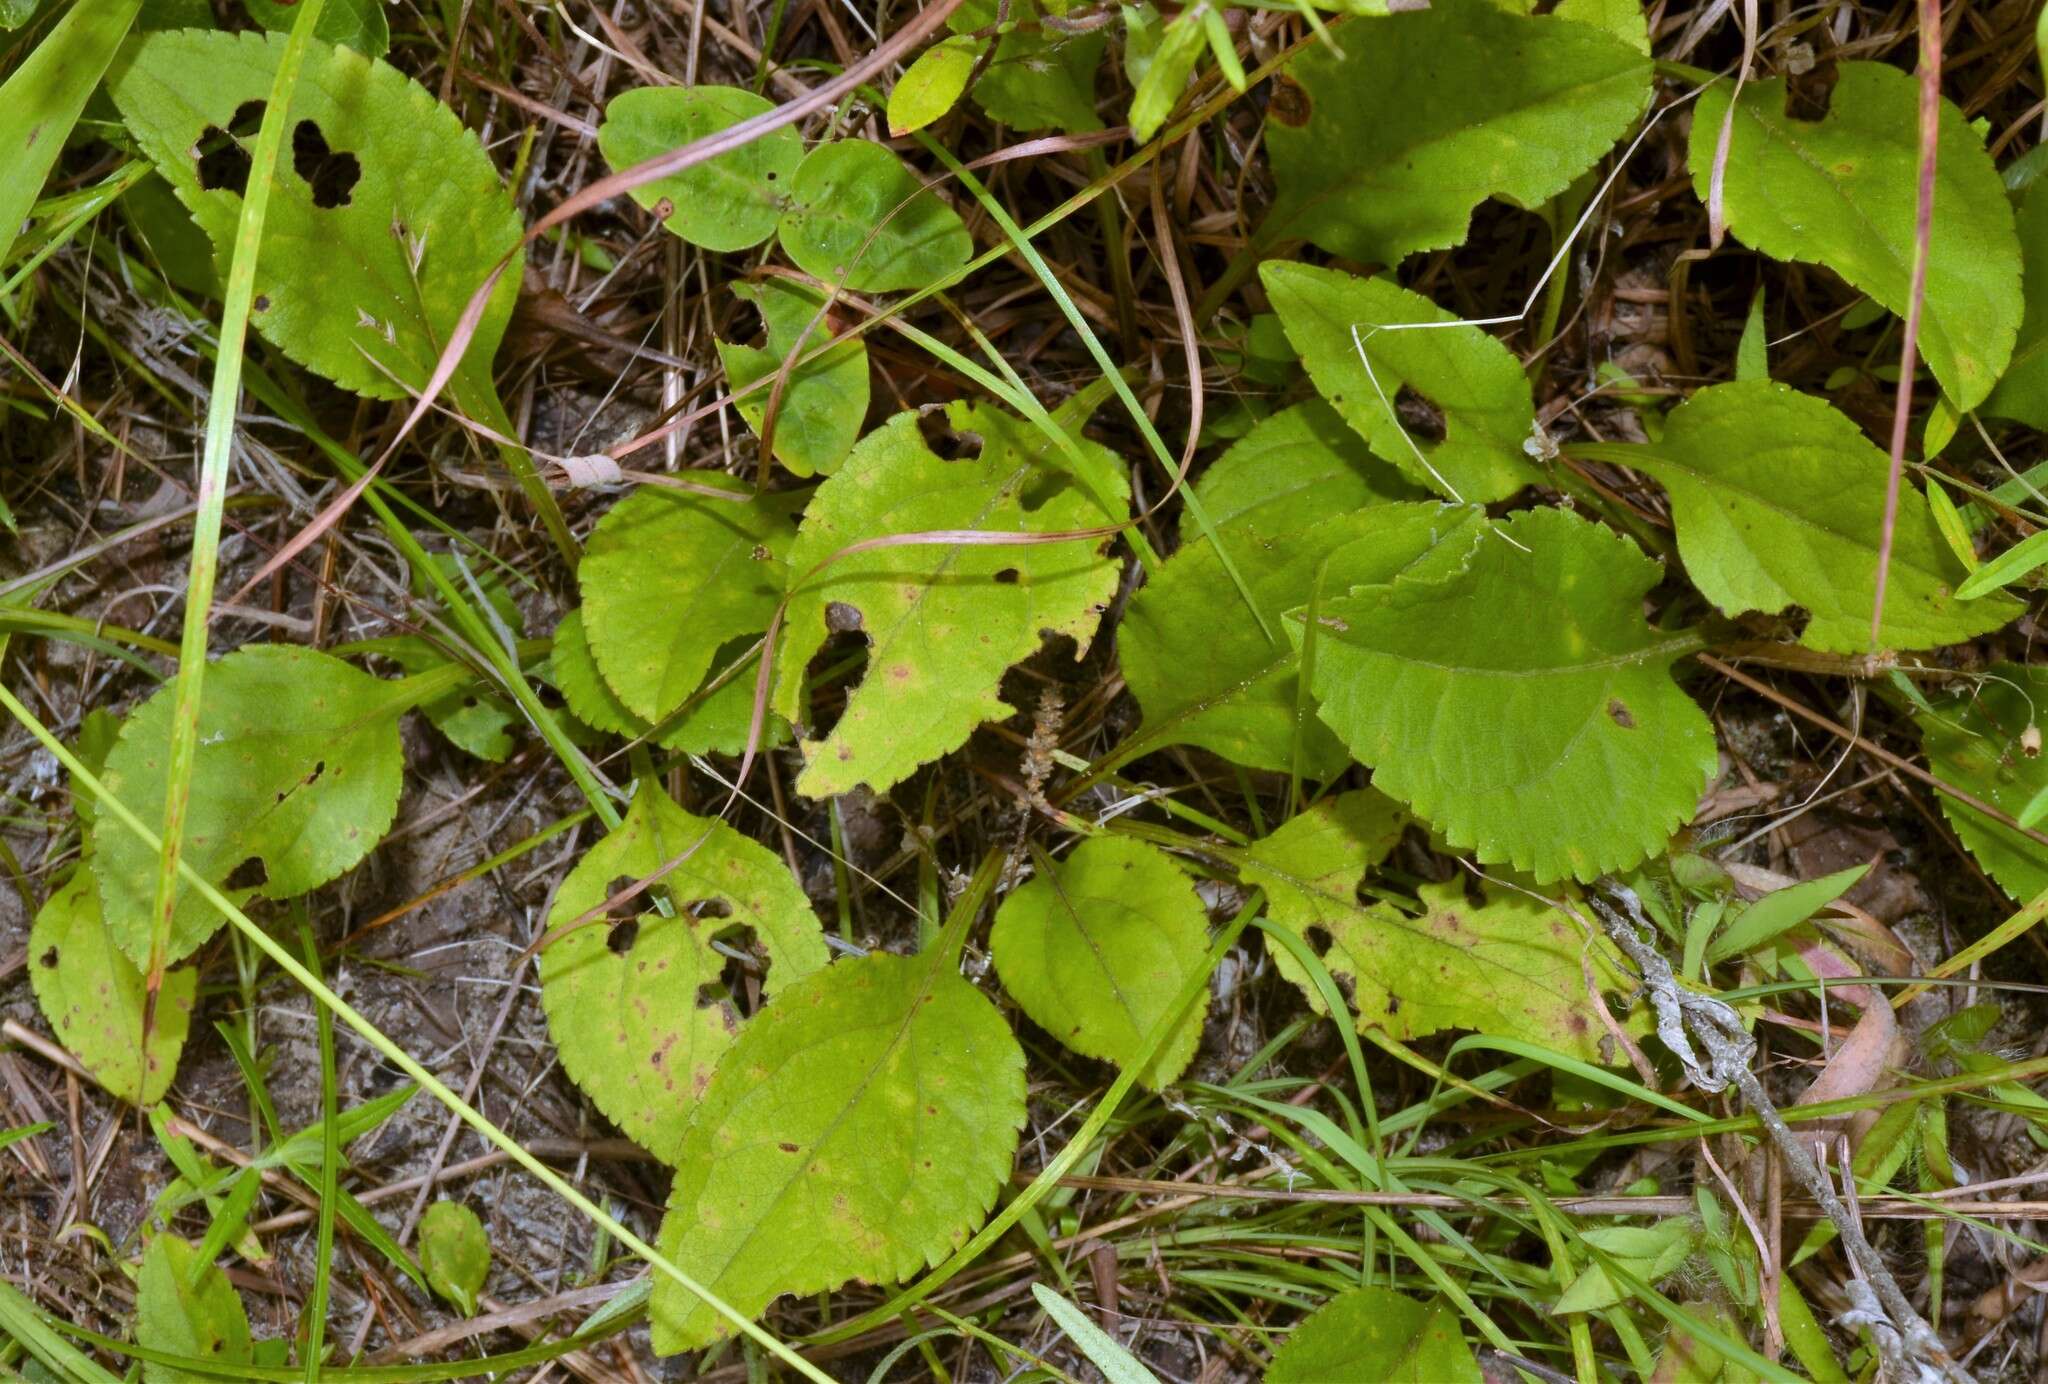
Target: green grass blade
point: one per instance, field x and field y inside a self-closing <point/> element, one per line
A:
<point x="42" y="101"/>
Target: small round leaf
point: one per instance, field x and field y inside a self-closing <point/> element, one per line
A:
<point x="728" y="203"/>
<point x="455" y="1253"/>
<point x="858" y="216"/>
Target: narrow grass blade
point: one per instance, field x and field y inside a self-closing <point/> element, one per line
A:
<point x="1118" y="1365"/>
<point x="42" y="100"/>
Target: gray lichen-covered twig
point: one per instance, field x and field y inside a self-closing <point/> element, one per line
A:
<point x="1908" y="1346"/>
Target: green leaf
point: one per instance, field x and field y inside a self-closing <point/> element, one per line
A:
<point x="93" y="997"/>
<point x="1511" y="966"/>
<point x="932" y="85"/>
<point x="1097" y="950"/>
<point x="1435" y="111"/>
<point x="295" y="779"/>
<point x="1752" y="352"/>
<point x="358" y="23"/>
<point x="1219" y="683"/>
<point x="1338" y="321"/>
<point x="2006" y="568"/>
<point x="860" y="1128"/>
<point x="15" y="13"/>
<point x="476" y="719"/>
<point x="1979" y="743"/>
<point x="43" y="97"/>
<point x="186" y="1307"/>
<point x="1954" y="531"/>
<point x="1376" y="1335"/>
<point x="1118" y="1365"/>
<point x="1166" y="72"/>
<point x="712" y="720"/>
<point x="824" y="401"/>
<point x="175" y="245"/>
<point x="943" y="620"/>
<point x="670" y="577"/>
<point x="639" y="1007"/>
<point x="1779" y="501"/>
<point x="455" y="1253"/>
<point x="1649" y="1253"/>
<point x="1522" y="707"/>
<point x="859" y="217"/>
<point x="728" y="203"/>
<point x="337" y="288"/>
<point x="2022" y="392"/>
<point x="1043" y="80"/>
<point x="1779" y="911"/>
<point x="1841" y="191"/>
<point x="1622" y="18"/>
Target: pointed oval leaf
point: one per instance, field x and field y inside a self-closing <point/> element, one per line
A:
<point x="1842" y="190"/>
<point x="859" y="217"/>
<point x="638" y="1007"/>
<point x="728" y="203"/>
<point x="455" y="1253"/>
<point x="860" y="1128"/>
<point x="943" y="620"/>
<point x="295" y="779"/>
<point x="185" y="1306"/>
<point x="824" y="401"/>
<point x="1979" y="744"/>
<point x="1523" y="707"/>
<point x="670" y="577"/>
<point x="1436" y="110"/>
<point x="2006" y="568"/>
<point x="932" y="85"/>
<point x="1779" y="501"/>
<point x="385" y="216"/>
<point x="93" y="997"/>
<point x="1097" y="951"/>
<point x="1340" y="322"/>
<point x="1292" y="471"/>
<point x="1376" y="1335"/>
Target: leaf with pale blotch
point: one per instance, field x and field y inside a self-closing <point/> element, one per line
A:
<point x="1386" y="147"/>
<point x="1522" y="707"/>
<point x="2022" y="392"/>
<point x="1509" y="967"/>
<point x="859" y="217"/>
<point x="640" y="1007"/>
<point x="1221" y="683"/>
<point x="1842" y="191"/>
<point x="186" y="1307"/>
<point x="1380" y="1336"/>
<point x="93" y="997"/>
<point x="296" y="777"/>
<point x="728" y="203"/>
<point x="1779" y="501"/>
<point x="860" y="1128"/>
<point x="712" y="720"/>
<point x="670" y="577"/>
<point x="385" y="215"/>
<point x="1097" y="950"/>
<point x="943" y="620"/>
<point x="1978" y="743"/>
<point x="1472" y="382"/>
<point x="455" y="1253"/>
<point x="823" y="402"/>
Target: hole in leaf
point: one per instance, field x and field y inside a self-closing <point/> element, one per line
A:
<point x="709" y="908"/>
<point x="624" y="910"/>
<point x="622" y="936"/>
<point x="1423" y="419"/>
<point x="738" y="986"/>
<point x="333" y="176"/>
<point x="944" y="442"/>
<point x="1617" y="711"/>
<point x="49" y="959"/>
<point x="1809" y="94"/>
<point x="549" y="695"/>
<point x="250" y="874"/>
<point x="1008" y="576"/>
<point x="1318" y="939"/>
<point x="262" y="303"/>
<point x="248" y="119"/>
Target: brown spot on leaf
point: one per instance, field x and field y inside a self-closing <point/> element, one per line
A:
<point x="1290" y="104"/>
<point x="1619" y="713"/>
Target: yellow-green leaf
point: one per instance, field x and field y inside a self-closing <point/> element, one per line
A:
<point x="931" y="86"/>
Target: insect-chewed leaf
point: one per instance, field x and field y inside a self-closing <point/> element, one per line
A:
<point x="1097" y="951"/>
<point x="1472" y="400"/>
<point x="943" y="619"/>
<point x="187" y="1307"/>
<point x="860" y="1128"/>
<point x="859" y="217"/>
<point x="93" y="997"/>
<point x="670" y="577"/>
<point x="385" y="216"/>
<point x="1192" y="654"/>
<point x="1522" y="707"/>
<point x="2022" y="392"/>
<point x="1979" y="743"/>
<point x="640" y="1007"/>
<point x="295" y="779"/>
<point x="1779" y="501"/>
<point x="818" y="418"/>
<point x="454" y="1252"/>
<point x="1387" y="147"/>
<point x="1379" y="1335"/>
<point x="728" y="203"/>
<point x="1841" y="191"/>
<point x="1510" y="967"/>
